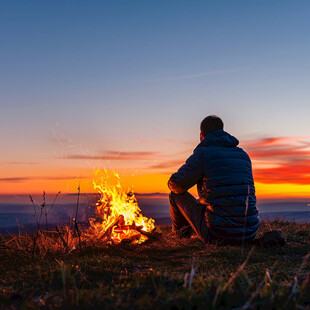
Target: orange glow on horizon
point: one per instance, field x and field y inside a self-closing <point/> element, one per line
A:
<point x="148" y="183"/>
<point x="286" y="190"/>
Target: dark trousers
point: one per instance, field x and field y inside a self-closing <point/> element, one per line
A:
<point x="188" y="216"/>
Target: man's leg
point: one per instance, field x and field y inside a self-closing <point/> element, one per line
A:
<point x="180" y="225"/>
<point x="186" y="212"/>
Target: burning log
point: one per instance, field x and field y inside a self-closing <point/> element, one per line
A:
<point x="122" y="228"/>
<point x="154" y="235"/>
<point x="109" y="229"/>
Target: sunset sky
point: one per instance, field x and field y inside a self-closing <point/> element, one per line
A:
<point x="124" y="85"/>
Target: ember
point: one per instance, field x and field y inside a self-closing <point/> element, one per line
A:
<point x="118" y="216"/>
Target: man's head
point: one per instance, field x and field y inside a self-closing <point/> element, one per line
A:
<point x="209" y="124"/>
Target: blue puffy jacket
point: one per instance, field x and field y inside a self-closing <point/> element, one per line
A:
<point x="223" y="174"/>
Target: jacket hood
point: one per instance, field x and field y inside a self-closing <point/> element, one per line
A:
<point x="219" y="138"/>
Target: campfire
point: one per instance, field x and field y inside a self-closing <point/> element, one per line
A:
<point x="118" y="216"/>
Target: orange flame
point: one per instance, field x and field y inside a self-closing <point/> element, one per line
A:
<point x="118" y="215"/>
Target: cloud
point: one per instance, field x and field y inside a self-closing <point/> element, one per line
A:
<point x="297" y="173"/>
<point x="33" y="178"/>
<point x="170" y="164"/>
<point x="275" y="153"/>
<point x="276" y="148"/>
<point x="18" y="163"/>
<point x="276" y="140"/>
<point x="112" y="155"/>
<point x="288" y="157"/>
<point x="15" y="179"/>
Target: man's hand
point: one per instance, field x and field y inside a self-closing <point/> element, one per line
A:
<point x="174" y="187"/>
<point x="188" y="174"/>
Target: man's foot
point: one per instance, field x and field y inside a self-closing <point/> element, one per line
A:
<point x="183" y="233"/>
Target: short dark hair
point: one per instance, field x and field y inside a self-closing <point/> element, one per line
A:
<point x="211" y="123"/>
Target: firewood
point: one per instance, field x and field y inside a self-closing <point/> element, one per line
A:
<point x="110" y="227"/>
<point x="130" y="239"/>
<point x="121" y="229"/>
<point x="151" y="235"/>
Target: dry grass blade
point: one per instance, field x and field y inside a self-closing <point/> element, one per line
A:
<point x="76" y="215"/>
<point x="220" y="291"/>
<point x="19" y="251"/>
<point x="248" y="304"/>
<point x="62" y="238"/>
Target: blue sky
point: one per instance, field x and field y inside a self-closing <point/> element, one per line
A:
<point x="109" y="75"/>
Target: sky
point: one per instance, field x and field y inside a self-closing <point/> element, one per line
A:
<point x="123" y="85"/>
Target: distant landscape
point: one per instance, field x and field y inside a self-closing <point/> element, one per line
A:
<point x="18" y="210"/>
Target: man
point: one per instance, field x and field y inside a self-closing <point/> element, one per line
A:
<point x="226" y="209"/>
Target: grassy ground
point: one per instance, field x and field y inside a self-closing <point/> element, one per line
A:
<point x="162" y="274"/>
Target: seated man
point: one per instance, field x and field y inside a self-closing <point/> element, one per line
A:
<point x="226" y="209"/>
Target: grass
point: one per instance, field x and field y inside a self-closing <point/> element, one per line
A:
<point x="42" y="271"/>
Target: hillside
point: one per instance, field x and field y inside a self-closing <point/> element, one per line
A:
<point x="161" y="274"/>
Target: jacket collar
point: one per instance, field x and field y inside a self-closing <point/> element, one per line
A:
<point x="218" y="138"/>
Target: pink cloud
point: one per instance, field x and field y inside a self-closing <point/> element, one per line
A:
<point x="290" y="157"/>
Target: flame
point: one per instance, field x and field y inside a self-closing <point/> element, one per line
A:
<point x="118" y="215"/>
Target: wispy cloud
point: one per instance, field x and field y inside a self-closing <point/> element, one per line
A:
<point x="197" y="75"/>
<point x="112" y="155"/>
<point x="20" y="163"/>
<point x="169" y="164"/>
<point x="288" y="157"/>
<point x="275" y="148"/>
<point x="15" y="179"/>
<point x="33" y="178"/>
<point x="294" y="172"/>
<point x="278" y="141"/>
<point x="286" y="153"/>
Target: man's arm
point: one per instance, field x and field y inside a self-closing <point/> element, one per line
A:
<point x="189" y="174"/>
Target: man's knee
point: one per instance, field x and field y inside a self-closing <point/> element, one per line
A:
<point x="175" y="198"/>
